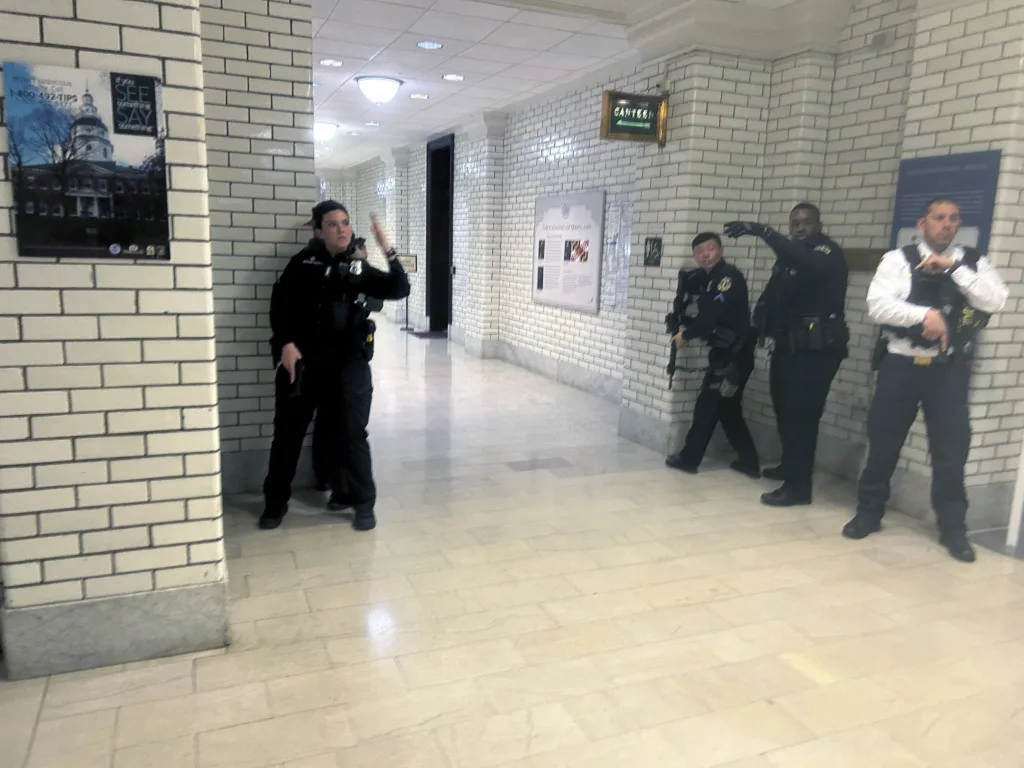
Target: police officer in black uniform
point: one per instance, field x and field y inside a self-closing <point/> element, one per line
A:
<point x="723" y="323"/>
<point x="931" y="299"/>
<point x="802" y="310"/>
<point x="320" y="321"/>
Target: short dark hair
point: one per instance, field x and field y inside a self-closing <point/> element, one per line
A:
<point x="936" y="201"/>
<point x="810" y="207"/>
<point x="322" y="209"/>
<point x="703" y="237"/>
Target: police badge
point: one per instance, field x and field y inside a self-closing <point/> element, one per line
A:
<point x="356" y="267"/>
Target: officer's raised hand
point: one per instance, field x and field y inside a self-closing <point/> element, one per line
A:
<point x="735" y="229"/>
<point x="935" y="263"/>
<point x="379" y="234"/>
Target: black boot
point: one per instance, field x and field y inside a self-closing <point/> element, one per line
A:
<point x="861" y="526"/>
<point x="958" y="546"/>
<point x="785" y="496"/>
<point x="774" y="473"/>
<point x="272" y="516"/>
<point x="364" y="519"/>
<point x="676" y="462"/>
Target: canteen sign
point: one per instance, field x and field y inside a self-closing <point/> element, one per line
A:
<point x="634" y="117"/>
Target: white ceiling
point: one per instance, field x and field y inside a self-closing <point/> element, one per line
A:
<point x="507" y="53"/>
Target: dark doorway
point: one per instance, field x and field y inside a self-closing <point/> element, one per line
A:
<point x="440" y="200"/>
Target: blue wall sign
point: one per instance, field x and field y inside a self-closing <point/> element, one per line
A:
<point x="969" y="179"/>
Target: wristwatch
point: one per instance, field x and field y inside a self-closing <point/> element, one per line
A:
<point x="391" y="254"/>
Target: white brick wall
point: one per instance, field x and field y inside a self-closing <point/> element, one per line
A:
<point x="550" y="149"/>
<point x="257" y="64"/>
<point x="108" y="414"/>
<point x="709" y="173"/>
<point x="417" y="191"/>
<point x="477" y="235"/>
<point x="965" y="91"/>
<point x="865" y="137"/>
<point x="752" y="138"/>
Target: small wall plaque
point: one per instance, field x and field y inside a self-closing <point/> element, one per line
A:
<point x="408" y="260"/>
<point x="652" y="252"/>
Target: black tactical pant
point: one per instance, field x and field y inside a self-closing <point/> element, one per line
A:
<point x="942" y="390"/>
<point x="712" y="408"/>
<point x="799" y="383"/>
<point x="341" y="394"/>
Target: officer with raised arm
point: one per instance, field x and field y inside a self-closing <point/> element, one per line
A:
<point x="723" y="323"/>
<point x="931" y="299"/>
<point x="320" y="318"/>
<point x="802" y="310"/>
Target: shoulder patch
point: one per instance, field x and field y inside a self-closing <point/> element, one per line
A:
<point x="823" y="249"/>
<point x="725" y="284"/>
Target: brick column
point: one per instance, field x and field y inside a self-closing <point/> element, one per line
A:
<point x="709" y="172"/>
<point x="476" y="251"/>
<point x="965" y="94"/>
<point x="257" y="64"/>
<point x="111" y="544"/>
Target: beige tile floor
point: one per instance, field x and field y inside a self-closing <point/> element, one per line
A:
<point x="541" y="594"/>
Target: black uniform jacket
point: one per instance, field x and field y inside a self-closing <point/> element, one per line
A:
<point x="722" y="302"/>
<point x="808" y="280"/>
<point x="300" y="305"/>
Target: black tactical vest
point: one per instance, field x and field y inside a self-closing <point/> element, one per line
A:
<point x="939" y="291"/>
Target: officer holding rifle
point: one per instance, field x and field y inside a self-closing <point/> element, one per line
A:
<point x="723" y="323"/>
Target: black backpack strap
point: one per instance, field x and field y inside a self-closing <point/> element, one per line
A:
<point x="971" y="258"/>
<point x="912" y="254"/>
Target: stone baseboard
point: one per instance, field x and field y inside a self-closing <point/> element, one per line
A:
<point x="68" y="637"/>
<point x="911" y="493"/>
<point x="570" y="374"/>
<point x="244" y="471"/>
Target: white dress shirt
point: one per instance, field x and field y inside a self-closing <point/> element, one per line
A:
<point x="890" y="288"/>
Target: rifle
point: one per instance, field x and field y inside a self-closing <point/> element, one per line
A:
<point x="678" y="318"/>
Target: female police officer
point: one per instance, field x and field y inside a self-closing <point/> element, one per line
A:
<point x="320" y="322"/>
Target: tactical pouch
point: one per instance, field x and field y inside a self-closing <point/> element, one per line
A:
<point x="369" y="330"/>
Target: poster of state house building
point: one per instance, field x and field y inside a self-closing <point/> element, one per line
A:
<point x="86" y="157"/>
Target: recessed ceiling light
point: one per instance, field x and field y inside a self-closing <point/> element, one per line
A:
<point x="353" y="133"/>
<point x="418" y="96"/>
<point x="430" y="45"/>
<point x="453" y="78"/>
<point x="372" y="123"/>
<point x="330" y="63"/>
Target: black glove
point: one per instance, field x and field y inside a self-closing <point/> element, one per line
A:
<point x="736" y="229"/>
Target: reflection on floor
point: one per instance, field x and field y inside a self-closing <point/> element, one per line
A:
<point x="541" y="594"/>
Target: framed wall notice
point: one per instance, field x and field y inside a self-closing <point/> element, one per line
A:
<point x="969" y="179"/>
<point x="87" y="162"/>
<point x="568" y="248"/>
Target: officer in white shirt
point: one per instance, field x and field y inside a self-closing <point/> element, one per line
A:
<point x="931" y="299"/>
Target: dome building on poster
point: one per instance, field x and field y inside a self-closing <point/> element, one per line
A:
<point x="85" y="181"/>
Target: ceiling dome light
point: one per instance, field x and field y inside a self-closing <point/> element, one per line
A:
<point x="330" y="63"/>
<point x="372" y="123"/>
<point x="379" y="90"/>
<point x="323" y="131"/>
<point x="429" y="45"/>
<point x="453" y="78"/>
